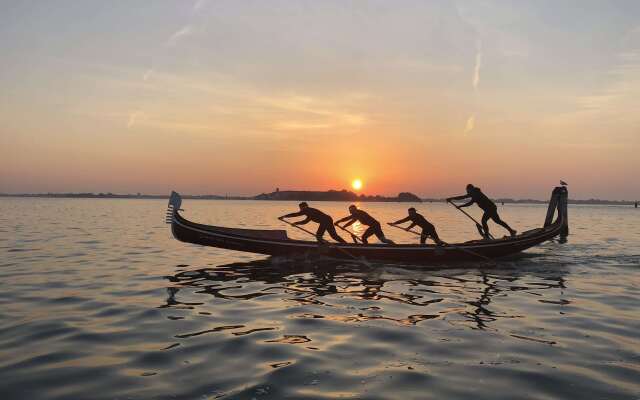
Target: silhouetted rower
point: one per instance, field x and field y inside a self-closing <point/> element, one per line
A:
<point x="489" y="207"/>
<point x="325" y="221"/>
<point x="364" y="218"/>
<point x="417" y="219"/>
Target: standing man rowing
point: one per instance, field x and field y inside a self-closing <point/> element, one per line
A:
<point x="489" y="207"/>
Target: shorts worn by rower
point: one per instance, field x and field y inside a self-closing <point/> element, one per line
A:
<point x="373" y="226"/>
<point x="324" y="221"/>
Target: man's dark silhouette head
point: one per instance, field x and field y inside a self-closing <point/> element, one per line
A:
<point x="353" y="208"/>
<point x="411" y="211"/>
<point x="303" y="205"/>
<point x="470" y="187"/>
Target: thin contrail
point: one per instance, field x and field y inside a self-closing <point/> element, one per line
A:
<point x="478" y="65"/>
<point x="185" y="31"/>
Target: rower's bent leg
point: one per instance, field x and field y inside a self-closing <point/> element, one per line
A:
<point x="485" y="217"/>
<point x="497" y="220"/>
<point x="367" y="234"/>
<point x="332" y="232"/>
<point x="423" y="237"/>
<point x="320" y="232"/>
<point x="381" y="237"/>
<point x="384" y="239"/>
<point x="436" y="238"/>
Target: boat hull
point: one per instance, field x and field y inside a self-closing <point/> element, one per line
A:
<point x="417" y="254"/>
<point x="276" y="242"/>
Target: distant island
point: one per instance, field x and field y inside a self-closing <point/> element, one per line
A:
<point x="335" y="195"/>
<point x="304" y="195"/>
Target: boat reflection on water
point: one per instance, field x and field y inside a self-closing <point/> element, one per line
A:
<point x="347" y="292"/>
<point x="305" y="327"/>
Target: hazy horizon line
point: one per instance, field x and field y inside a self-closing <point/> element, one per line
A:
<point x="211" y="196"/>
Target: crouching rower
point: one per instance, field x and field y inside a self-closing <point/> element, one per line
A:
<point x="364" y="218"/>
<point x="313" y="214"/>
<point x="428" y="230"/>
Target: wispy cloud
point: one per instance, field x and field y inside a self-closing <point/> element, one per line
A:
<point x="478" y="65"/>
<point x="219" y="103"/>
<point x="471" y="123"/>
<point x="335" y="120"/>
<point x="189" y="28"/>
<point x="179" y="34"/>
<point x="620" y="95"/>
<point x="133" y="117"/>
<point x="614" y="104"/>
<point x="309" y="113"/>
<point x="475" y="81"/>
<point x="147" y="74"/>
<point x="199" y="5"/>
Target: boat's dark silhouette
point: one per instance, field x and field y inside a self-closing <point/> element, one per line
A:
<point x="276" y="242"/>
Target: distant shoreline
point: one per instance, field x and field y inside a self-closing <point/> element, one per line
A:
<point x="262" y="198"/>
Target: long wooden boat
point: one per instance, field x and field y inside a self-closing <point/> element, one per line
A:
<point x="277" y="243"/>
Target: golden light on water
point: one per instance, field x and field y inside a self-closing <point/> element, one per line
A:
<point x="356" y="184"/>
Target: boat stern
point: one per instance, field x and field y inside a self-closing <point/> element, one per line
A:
<point x="559" y="201"/>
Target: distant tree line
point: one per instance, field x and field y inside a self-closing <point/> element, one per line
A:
<point x="334" y="195"/>
<point x="301" y="195"/>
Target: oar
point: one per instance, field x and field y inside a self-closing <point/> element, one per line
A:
<point x="328" y="243"/>
<point x="299" y="227"/>
<point x="478" y="226"/>
<point x="354" y="237"/>
<point x="473" y="253"/>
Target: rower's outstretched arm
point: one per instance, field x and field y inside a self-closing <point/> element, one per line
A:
<point x="348" y="217"/>
<point x="462" y="197"/>
<point x="349" y="223"/>
<point x="302" y="222"/>
<point x="411" y="226"/>
<point x="401" y="221"/>
<point x="295" y="214"/>
<point x="467" y="204"/>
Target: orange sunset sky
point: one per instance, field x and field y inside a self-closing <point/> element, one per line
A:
<point x="243" y="97"/>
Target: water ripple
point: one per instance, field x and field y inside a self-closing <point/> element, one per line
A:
<point x="99" y="302"/>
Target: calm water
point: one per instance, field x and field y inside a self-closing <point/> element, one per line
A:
<point x="99" y="302"/>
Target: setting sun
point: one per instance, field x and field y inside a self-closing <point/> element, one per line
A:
<point x="356" y="184"/>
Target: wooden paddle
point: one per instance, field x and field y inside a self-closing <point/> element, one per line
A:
<point x="343" y="251"/>
<point x="354" y="237"/>
<point x="478" y="226"/>
<point x="473" y="253"/>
